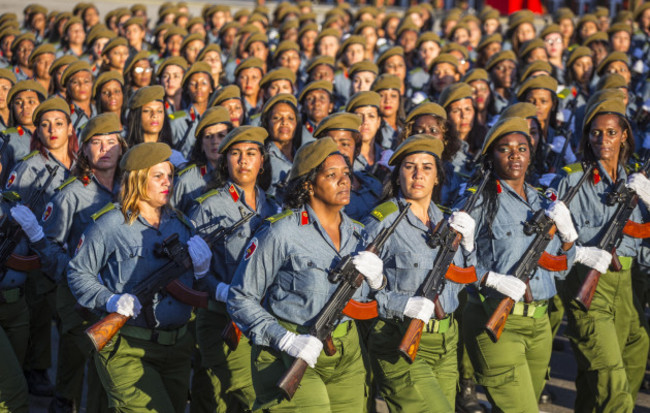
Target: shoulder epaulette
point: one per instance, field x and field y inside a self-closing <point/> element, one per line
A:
<point x="181" y="217"/>
<point x="66" y="182"/>
<point x="255" y="116"/>
<point x="178" y="114"/>
<point x="10" y="130"/>
<point x="31" y="155"/>
<point x="417" y="69"/>
<point x="445" y="210"/>
<point x="281" y="215"/>
<point x="384" y="210"/>
<point x="108" y="207"/>
<point x="206" y="196"/>
<point x="564" y="93"/>
<point x="187" y="168"/>
<point x="11" y="196"/>
<point x="573" y="168"/>
<point x="357" y="222"/>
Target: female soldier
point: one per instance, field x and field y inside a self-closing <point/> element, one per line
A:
<point x="609" y="339"/>
<point x="230" y="98"/>
<point x="114" y="55"/>
<point x="7" y="81"/>
<point x="137" y="73"/>
<point x="369" y="150"/>
<point x="170" y="75"/>
<point x="74" y="37"/>
<point x="22" y="47"/>
<point x="147" y="365"/>
<point x="552" y="36"/>
<point x="78" y="82"/>
<point x="190" y="182"/>
<point x="479" y="80"/>
<point x="211" y="54"/>
<point x="444" y="72"/>
<point x="235" y="193"/>
<point x="365" y="188"/>
<point x="579" y="72"/>
<point x="56" y="71"/>
<point x="55" y="146"/>
<point x="316" y="103"/>
<point x="40" y="61"/>
<point x="391" y="108"/>
<point x="351" y="51"/>
<point x="108" y="93"/>
<point x="428" y="384"/>
<point x="513" y="369"/>
<point x="93" y="184"/>
<point x="428" y="47"/>
<point x="502" y="68"/>
<point x="249" y="74"/>
<point x="280" y="270"/>
<point x="393" y="62"/>
<point x="362" y="75"/>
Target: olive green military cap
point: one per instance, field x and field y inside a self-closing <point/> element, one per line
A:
<point x="102" y="124"/>
<point x="367" y="9"/>
<point x="145" y="95"/>
<point x="417" y="144"/>
<point x="105" y="78"/>
<point x="138" y="21"/>
<point x="605" y="94"/>
<point x="427" y="37"/>
<point x="489" y="14"/>
<point x="601" y="11"/>
<point x="159" y="28"/>
<point x="452" y="15"/>
<point x="53" y="103"/>
<point x="245" y="29"/>
<point x="172" y="61"/>
<point x="407" y="25"/>
<point x="564" y="13"/>
<point x="174" y="31"/>
<point x="141" y="55"/>
<point x="198" y="67"/>
<point x="62" y="61"/>
<point x="487" y="40"/>
<point x="454" y="93"/>
<point x="393" y="51"/>
<point x="363" y="66"/>
<point x="445" y="58"/>
<point x="361" y="99"/>
<point x="611" y="81"/>
<point x="289" y="25"/>
<point x="529" y="46"/>
<point x="212" y="47"/>
<point x="612" y="57"/>
<point x="538" y="82"/>
<point x="145" y="155"/>
<point x="458" y="26"/>
<point x="368" y="23"/>
<point x="192" y="37"/>
<point x="213" y="116"/>
<point x="284" y="46"/>
<point x="603" y="107"/>
<point x="280" y="98"/>
<point x="354" y="39"/>
<point x="256" y="37"/>
<point x="8" y="17"/>
<point x="195" y="20"/>
<point x="100" y="33"/>
<point x="9" y="75"/>
<point x="327" y="32"/>
<point x="312" y="154"/>
<point x="321" y="60"/>
<point x="309" y="27"/>
<point x="251" y="62"/>
<point x="113" y="43"/>
<point x="520" y="17"/>
<point x="474" y="75"/>
<point x="386" y="81"/>
<point x="520" y="110"/>
<point x="596" y="37"/>
<point x="619" y="27"/>
<point x="536" y="66"/>
<point x="455" y="47"/>
<point x="338" y="121"/>
<point x="281" y="73"/>
<point x="586" y="19"/>
<point x="307" y="18"/>
<point x="504" y="127"/>
<point x="72" y="20"/>
<point x="577" y="53"/>
<point x="25" y="36"/>
<point x="138" y="7"/>
<point x="244" y="133"/>
<point x="316" y="85"/>
<point x="549" y="29"/>
<point x="227" y="93"/>
<point x="500" y="57"/>
<point x="45" y="48"/>
<point x="37" y="8"/>
<point x="426" y="108"/>
<point x="640" y="9"/>
<point x="73" y="69"/>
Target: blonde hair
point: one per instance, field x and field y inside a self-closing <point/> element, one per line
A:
<point x="133" y="190"/>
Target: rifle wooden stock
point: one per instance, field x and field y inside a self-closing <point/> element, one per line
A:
<point x="636" y="230"/>
<point x="105" y="329"/>
<point x="23" y="263"/>
<point x="497" y="321"/>
<point x="553" y="262"/>
<point x="361" y="311"/>
<point x="291" y="380"/>
<point x="328" y="346"/>
<point x="187" y="295"/>
<point x="411" y="340"/>
<point x="587" y="290"/>
<point x="231" y="335"/>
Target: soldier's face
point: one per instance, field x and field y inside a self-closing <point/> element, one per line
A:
<point x="331" y="188"/>
<point x="159" y="184"/>
<point x="606" y="136"/>
<point x="103" y="151"/>
<point x="54" y="129"/>
<point x="244" y="163"/>
<point x="212" y="137"/>
<point x="511" y="156"/>
<point x="418" y="176"/>
<point x="23" y="106"/>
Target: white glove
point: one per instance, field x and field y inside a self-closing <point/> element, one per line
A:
<point x="28" y="222"/>
<point x="560" y="214"/>
<point x="177" y="159"/>
<point x="508" y="285"/>
<point x="222" y="292"/>
<point x="420" y="308"/>
<point x="200" y="254"/>
<point x="126" y="304"/>
<point x="594" y="258"/>
<point x="639" y="184"/>
<point x="304" y="346"/>
<point x="371" y="267"/>
<point x="466" y="226"/>
<point x="547" y="179"/>
<point x="385" y="157"/>
<point x="638" y="67"/>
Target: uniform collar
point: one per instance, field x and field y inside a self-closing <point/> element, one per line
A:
<point x="531" y="193"/>
<point x="308" y="216"/>
<point x="433" y="212"/>
<point x="605" y="176"/>
<point x="238" y="195"/>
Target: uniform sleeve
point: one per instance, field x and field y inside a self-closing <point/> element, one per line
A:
<point x="256" y="272"/>
<point x="21" y="180"/>
<point x="84" y="268"/>
<point x="198" y="216"/>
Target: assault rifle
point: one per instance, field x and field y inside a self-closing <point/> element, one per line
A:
<point x="166" y="277"/>
<point x="627" y="200"/>
<point x="349" y="280"/>
<point x="534" y="255"/>
<point x="13" y="233"/>
<point x="447" y="241"/>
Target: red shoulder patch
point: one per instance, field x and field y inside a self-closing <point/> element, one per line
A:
<point x="80" y="243"/>
<point x="596" y="176"/>
<point x="11" y="179"/>
<point x="47" y="213"/>
<point x="304" y="218"/>
<point x="250" y="250"/>
<point x="233" y="193"/>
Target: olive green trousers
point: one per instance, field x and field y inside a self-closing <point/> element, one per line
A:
<point x="14" y="333"/>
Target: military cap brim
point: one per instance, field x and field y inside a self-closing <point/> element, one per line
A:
<point x="338" y="121"/>
<point x="102" y="124"/>
<point x="53" y="103"/>
<point x="505" y="126"/>
<point x="145" y="95"/>
<point x="145" y="155"/>
<point x="24" y="85"/>
<point x="316" y="85"/>
<point x="213" y="116"/>
<point x="280" y="98"/>
<point x="246" y="133"/>
<point x="312" y="154"/>
<point x="420" y="143"/>
<point x="426" y="108"/>
<point x="227" y="93"/>
<point x="454" y="93"/>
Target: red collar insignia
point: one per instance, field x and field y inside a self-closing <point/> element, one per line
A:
<point x="309" y="127"/>
<point x="17" y="69"/>
<point x="192" y="114"/>
<point x="48" y="212"/>
<point x="203" y="170"/>
<point x="499" y="189"/>
<point x="596" y="176"/>
<point x="85" y="180"/>
<point x="20" y="130"/>
<point x="233" y="193"/>
<point x="304" y="218"/>
<point x="166" y="105"/>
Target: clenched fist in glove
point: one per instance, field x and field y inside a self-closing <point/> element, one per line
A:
<point x="508" y="285"/>
<point x="420" y="308"/>
<point x="126" y="304"/>
<point x="561" y="216"/>
<point x="222" y="292"/>
<point x="200" y="254"/>
<point x="371" y="267"/>
<point x="28" y="222"/>
<point x="465" y="225"/>
<point x="641" y="185"/>
<point x="304" y="346"/>
<point x="594" y="258"/>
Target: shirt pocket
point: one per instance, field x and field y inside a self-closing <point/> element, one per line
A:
<point x="309" y="275"/>
<point x="508" y="241"/>
<point x="411" y="270"/>
<point x="130" y="266"/>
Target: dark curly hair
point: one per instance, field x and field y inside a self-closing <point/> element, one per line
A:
<point x="451" y="141"/>
<point x="82" y="168"/>
<point x="197" y="155"/>
<point x="297" y="193"/>
<point x="134" y="133"/>
<point x="296" y="141"/>
<point x="627" y="147"/>
<point x="392" y="186"/>
<point x="220" y="175"/>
